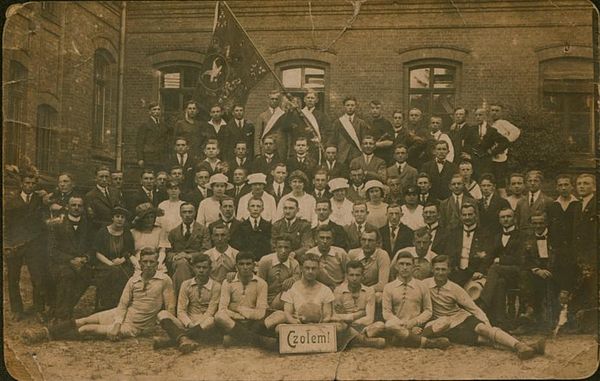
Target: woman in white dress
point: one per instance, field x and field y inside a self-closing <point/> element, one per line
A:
<point x="306" y="203"/>
<point x="171" y="217"/>
<point x="375" y="205"/>
<point x="341" y="207"/>
<point x="146" y="233"/>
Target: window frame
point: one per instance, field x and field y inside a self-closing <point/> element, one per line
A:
<point x="182" y="92"/>
<point x="45" y="136"/>
<point x="433" y="63"/>
<point x="16" y="112"/>
<point x="103" y="108"/>
<point x="303" y="64"/>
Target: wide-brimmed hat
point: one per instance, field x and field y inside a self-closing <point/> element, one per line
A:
<point x="257" y="178"/>
<point x="219" y="178"/>
<point x="298" y="174"/>
<point x="142" y="210"/>
<point x="338" y="183"/>
<point x="373" y="184"/>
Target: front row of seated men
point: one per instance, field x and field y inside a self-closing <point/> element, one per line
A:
<point x="427" y="313"/>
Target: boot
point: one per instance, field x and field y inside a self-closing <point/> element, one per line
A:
<point x="439" y="343"/>
<point x="539" y="346"/>
<point x="32" y="336"/>
<point x="370" y="342"/>
<point x="524" y="351"/>
<point x="186" y="345"/>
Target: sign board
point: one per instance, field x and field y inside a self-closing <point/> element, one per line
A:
<point x="307" y="338"/>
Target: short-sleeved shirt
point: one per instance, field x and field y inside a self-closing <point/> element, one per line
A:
<point x="378" y="263"/>
<point x="298" y="295"/>
<point x="194" y="301"/>
<point x="347" y="302"/>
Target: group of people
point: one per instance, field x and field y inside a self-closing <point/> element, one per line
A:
<point x="399" y="233"/>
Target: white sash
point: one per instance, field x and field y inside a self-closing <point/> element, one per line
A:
<point x="274" y="118"/>
<point x="345" y="120"/>
<point x="312" y="120"/>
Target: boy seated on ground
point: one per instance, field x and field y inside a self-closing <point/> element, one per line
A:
<point x="196" y="306"/>
<point x="459" y="319"/>
<point x="279" y="271"/>
<point x="242" y="306"/>
<point x="142" y="299"/>
<point x="354" y="309"/>
<point x="407" y="307"/>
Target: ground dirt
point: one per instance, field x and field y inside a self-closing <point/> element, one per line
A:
<point x="571" y="356"/>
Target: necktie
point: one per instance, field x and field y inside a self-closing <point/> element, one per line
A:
<point x="351" y="118"/>
<point x="268" y="159"/>
<point x="393" y="236"/>
<point x="319" y="194"/>
<point x="150" y="195"/>
<point x="278" y="190"/>
<point x="531" y="200"/>
<point x="255" y="225"/>
<point x="106" y="193"/>
<point x="288" y="223"/>
<point x="239" y="123"/>
<point x="486" y="203"/>
<point x="457" y="201"/>
<point x="360" y="230"/>
<point x="422" y="198"/>
<point x="180" y="159"/>
<point x="237" y="190"/>
<point x="29" y="198"/>
<point x="468" y="232"/>
<point x="187" y="233"/>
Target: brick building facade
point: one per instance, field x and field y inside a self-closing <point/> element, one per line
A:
<point x="435" y="55"/>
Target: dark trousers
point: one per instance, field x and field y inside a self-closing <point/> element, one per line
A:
<point x="499" y="279"/>
<point x="70" y="284"/>
<point x="34" y="257"/>
<point x="110" y="281"/>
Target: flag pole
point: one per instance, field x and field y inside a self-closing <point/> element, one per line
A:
<point x="281" y="86"/>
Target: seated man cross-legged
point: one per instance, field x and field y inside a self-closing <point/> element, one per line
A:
<point x="142" y="299"/>
<point x="196" y="306"/>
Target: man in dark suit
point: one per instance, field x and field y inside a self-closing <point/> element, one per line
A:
<point x="356" y="228"/>
<point x="254" y="233"/>
<point x="468" y="248"/>
<point x="585" y="221"/>
<point x="265" y="162"/>
<point x="240" y="157"/>
<point x="199" y="192"/>
<point x="297" y="229"/>
<point x="320" y="190"/>
<point x="302" y="160"/>
<point x="333" y="166"/>
<point x="438" y="233"/>
<point x="323" y="211"/>
<point x="347" y="132"/>
<point x="440" y="171"/>
<point x="241" y="130"/>
<point x="101" y="200"/>
<point x="490" y="204"/>
<point x="184" y="158"/>
<point x="381" y="129"/>
<point x="457" y="132"/>
<point x="146" y="192"/>
<point x="273" y="122"/>
<point x="401" y="169"/>
<point x="64" y="190"/>
<point x="152" y="140"/>
<point x="278" y="187"/>
<point x="507" y="253"/>
<point x="369" y="163"/>
<point x="187" y="238"/>
<point x="240" y="186"/>
<point x="473" y="137"/>
<point x="190" y="128"/>
<point x="534" y="201"/>
<point x="450" y="208"/>
<point x="395" y="235"/>
<point x="227" y="216"/>
<point x="424" y="185"/>
<point x="356" y="191"/>
<point x="24" y="242"/>
<point x="70" y="258"/>
<point x="313" y="124"/>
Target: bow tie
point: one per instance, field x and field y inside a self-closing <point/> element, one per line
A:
<point x="507" y="233"/>
<point x="540" y="237"/>
<point x="441" y="161"/>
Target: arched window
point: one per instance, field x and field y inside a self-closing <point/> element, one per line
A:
<point x="15" y="123"/>
<point x="433" y="86"/>
<point x="46" y="126"/>
<point x="297" y="77"/>
<point x="568" y="92"/>
<point x="103" y="93"/>
<point x="177" y="86"/>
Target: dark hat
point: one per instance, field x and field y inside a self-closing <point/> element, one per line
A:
<point x="120" y="210"/>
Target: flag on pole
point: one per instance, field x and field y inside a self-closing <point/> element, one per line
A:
<point x="232" y="65"/>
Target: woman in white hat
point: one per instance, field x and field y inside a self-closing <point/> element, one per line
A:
<point x="209" y="208"/>
<point x="341" y="207"/>
<point x="375" y="205"/>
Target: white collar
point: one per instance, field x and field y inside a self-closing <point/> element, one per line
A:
<point x="221" y="124"/>
<point x="326" y="222"/>
<point x="290" y="222"/>
<point x="344" y="287"/>
<point x="73" y="219"/>
<point x="276" y="261"/>
<point x="208" y="285"/>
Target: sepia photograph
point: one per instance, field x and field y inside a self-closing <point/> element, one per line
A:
<point x="300" y="190"/>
